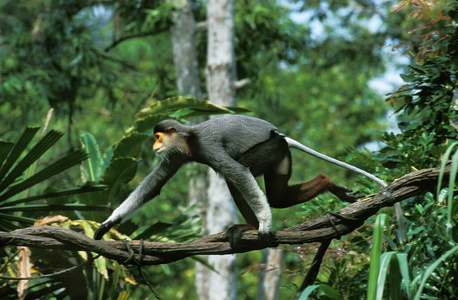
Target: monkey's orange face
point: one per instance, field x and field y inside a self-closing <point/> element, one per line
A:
<point x="170" y="141"/>
<point x="161" y="141"/>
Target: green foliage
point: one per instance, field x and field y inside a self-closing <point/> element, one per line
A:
<point x="17" y="177"/>
<point x="377" y="241"/>
<point x="179" y="107"/>
<point x="114" y="169"/>
<point x="424" y="103"/>
<point x="97" y="69"/>
<point x="425" y="265"/>
<point x="427" y="243"/>
<point x="427" y="96"/>
<point x="452" y="215"/>
<point x="427" y="117"/>
<point x="321" y="290"/>
<point x="14" y="163"/>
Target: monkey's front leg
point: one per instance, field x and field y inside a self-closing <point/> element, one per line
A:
<point x="255" y="210"/>
<point x="261" y="209"/>
<point x="257" y="214"/>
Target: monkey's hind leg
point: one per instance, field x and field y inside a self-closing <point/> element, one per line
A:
<point x="281" y="195"/>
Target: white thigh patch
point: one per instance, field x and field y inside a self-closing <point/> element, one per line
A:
<point x="283" y="167"/>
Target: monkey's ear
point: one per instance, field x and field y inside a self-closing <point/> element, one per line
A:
<point x="171" y="130"/>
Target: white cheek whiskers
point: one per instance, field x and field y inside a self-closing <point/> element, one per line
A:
<point x="167" y="154"/>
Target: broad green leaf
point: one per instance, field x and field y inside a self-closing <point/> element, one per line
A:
<point x="177" y="103"/>
<point x="130" y="145"/>
<point x="120" y="171"/>
<point x="405" y="272"/>
<point x="197" y="112"/>
<point x="95" y="165"/>
<point x="395" y="279"/>
<point x="397" y="264"/>
<point x="385" y="261"/>
<point x="147" y="123"/>
<point x="178" y="107"/>
<point x="330" y="292"/>
<point x="308" y="291"/>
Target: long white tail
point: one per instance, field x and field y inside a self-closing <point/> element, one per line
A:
<point x="296" y="145"/>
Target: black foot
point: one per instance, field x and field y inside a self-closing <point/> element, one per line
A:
<point x="234" y="236"/>
<point x="346" y="195"/>
<point x="268" y="239"/>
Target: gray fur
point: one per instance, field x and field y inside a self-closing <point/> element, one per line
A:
<point x="219" y="143"/>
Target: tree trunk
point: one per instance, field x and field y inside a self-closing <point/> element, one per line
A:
<point x="188" y="83"/>
<point x="270" y="277"/>
<point x="220" y="75"/>
<point x="184" y="49"/>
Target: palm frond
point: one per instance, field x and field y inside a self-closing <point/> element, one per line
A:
<point x="17" y="150"/>
<point x="49" y="171"/>
<point x="63" y="193"/>
<point x="35" y="153"/>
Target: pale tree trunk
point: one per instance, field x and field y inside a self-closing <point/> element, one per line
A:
<point x="184" y="49"/>
<point x="220" y="75"/>
<point x="270" y="277"/>
<point x="188" y="83"/>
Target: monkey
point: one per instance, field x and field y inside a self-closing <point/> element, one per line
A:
<point x="239" y="148"/>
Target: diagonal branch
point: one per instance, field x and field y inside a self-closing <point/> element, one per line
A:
<point x="344" y="221"/>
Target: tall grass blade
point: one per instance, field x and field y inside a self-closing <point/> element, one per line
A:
<point x="431" y="269"/>
<point x="377" y="242"/>
<point x="444" y="163"/>
<point x="453" y="205"/>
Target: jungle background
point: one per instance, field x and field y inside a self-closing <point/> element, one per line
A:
<point x="373" y="83"/>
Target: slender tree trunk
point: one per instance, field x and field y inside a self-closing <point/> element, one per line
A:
<point x="184" y="49"/>
<point x="188" y="83"/>
<point x="270" y="277"/>
<point x="220" y="75"/>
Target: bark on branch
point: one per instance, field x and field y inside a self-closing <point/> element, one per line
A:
<point x="344" y="221"/>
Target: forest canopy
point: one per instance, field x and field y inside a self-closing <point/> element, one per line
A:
<point x="82" y="84"/>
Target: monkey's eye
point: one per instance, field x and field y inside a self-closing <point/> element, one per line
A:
<point x="157" y="136"/>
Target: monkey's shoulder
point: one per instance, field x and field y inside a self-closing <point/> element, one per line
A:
<point x="243" y="121"/>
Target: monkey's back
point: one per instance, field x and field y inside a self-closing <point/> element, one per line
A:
<point x="234" y="133"/>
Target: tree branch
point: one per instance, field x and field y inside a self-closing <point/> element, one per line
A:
<point x="133" y="36"/>
<point x="344" y="221"/>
